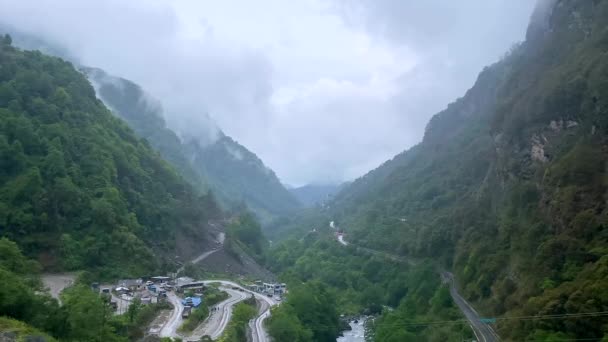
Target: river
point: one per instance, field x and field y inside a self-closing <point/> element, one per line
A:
<point x="356" y="334"/>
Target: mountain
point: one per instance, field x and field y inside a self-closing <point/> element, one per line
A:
<point x="234" y="174"/>
<point x="311" y="194"/>
<point x="78" y="188"/>
<point x="144" y="116"/>
<point x="508" y="188"/>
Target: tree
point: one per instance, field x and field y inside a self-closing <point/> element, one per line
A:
<point x="134" y="309"/>
<point x="88" y="315"/>
<point x="284" y="325"/>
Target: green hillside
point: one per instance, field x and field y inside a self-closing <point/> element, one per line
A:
<point x="234" y="174"/>
<point x="78" y="189"/>
<point x="240" y="177"/>
<point x="508" y="188"/>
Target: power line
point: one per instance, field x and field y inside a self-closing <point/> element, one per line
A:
<point x="466" y="321"/>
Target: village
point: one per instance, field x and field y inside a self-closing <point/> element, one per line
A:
<point x="191" y="292"/>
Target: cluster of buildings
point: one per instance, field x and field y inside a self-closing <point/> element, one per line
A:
<point x="154" y="290"/>
<point x="270" y="289"/>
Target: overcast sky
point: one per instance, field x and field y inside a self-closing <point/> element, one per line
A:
<point x="321" y="90"/>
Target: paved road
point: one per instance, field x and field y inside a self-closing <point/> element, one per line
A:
<point x="258" y="332"/>
<point x="175" y="320"/>
<point x="215" y="325"/>
<point x="121" y="304"/>
<point x="483" y="331"/>
<point x="385" y="255"/>
<point x="256" y="325"/>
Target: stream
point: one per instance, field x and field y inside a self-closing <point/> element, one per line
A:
<point x="356" y="334"/>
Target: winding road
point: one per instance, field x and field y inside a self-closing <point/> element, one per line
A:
<point x="175" y="320"/>
<point x="217" y="321"/>
<point x="258" y="332"/>
<point x="483" y="332"/>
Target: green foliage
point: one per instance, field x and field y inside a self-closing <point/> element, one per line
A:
<point x="145" y="117"/>
<point x="211" y="297"/>
<point x="241" y="178"/>
<point x="507" y="189"/>
<point x="22" y="331"/>
<point x="315" y="307"/>
<point x="358" y="282"/>
<point x="84" y="316"/>
<point x="426" y="301"/>
<point x="247" y="231"/>
<point x="210" y="160"/>
<point x="77" y="188"/>
<point x="284" y="325"/>
<point x="236" y="331"/>
<point x="88" y="315"/>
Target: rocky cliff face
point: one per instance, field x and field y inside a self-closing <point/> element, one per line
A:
<point x="508" y="187"/>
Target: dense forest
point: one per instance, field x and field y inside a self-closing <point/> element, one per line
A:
<point x="328" y="280"/>
<point x="235" y="175"/>
<point x="78" y="189"/>
<point x="27" y="313"/>
<point x="507" y="190"/>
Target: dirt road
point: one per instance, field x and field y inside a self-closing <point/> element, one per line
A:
<point x="57" y="282"/>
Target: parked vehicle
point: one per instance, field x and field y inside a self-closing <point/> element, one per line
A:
<point x="186" y="312"/>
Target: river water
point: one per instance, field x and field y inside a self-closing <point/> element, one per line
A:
<point x="357" y="334"/>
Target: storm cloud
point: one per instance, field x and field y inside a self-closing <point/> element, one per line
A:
<point x="322" y="91"/>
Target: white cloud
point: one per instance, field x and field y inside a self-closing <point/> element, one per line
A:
<point x="322" y="91"/>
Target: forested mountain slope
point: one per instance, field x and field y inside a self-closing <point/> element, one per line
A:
<point x="508" y="187"/>
<point x="78" y="189"/>
<point x="311" y="194"/>
<point x="234" y="174"/>
<point x="127" y="100"/>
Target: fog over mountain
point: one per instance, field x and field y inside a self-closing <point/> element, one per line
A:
<point x="322" y="91"/>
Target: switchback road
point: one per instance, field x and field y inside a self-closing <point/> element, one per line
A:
<point x="215" y="325"/>
<point x="483" y="331"/>
<point x="217" y="321"/>
<point x="175" y="320"/>
<point x="258" y="332"/>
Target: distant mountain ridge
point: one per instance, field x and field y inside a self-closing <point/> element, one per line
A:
<point x="508" y="187"/>
<point x="219" y="163"/>
<point x="312" y="194"/>
<point x="78" y="189"/>
<point x="234" y="174"/>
